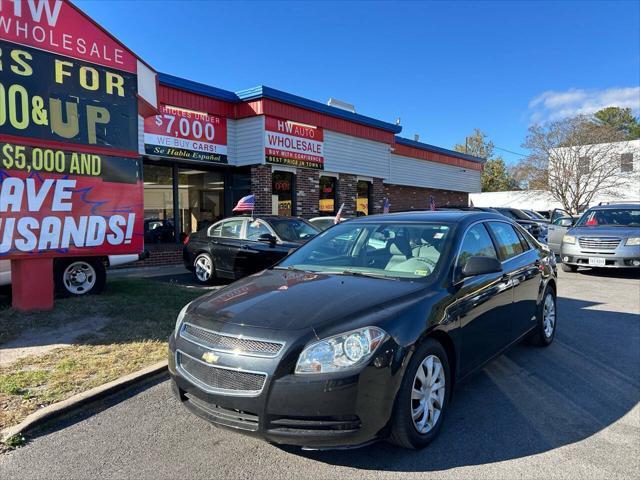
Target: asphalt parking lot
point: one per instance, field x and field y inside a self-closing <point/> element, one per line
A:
<point x="569" y="411"/>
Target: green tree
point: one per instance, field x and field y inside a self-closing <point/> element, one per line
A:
<point x="620" y="119"/>
<point x="495" y="175"/>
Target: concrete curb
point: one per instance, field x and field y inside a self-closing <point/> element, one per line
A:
<point x="65" y="406"/>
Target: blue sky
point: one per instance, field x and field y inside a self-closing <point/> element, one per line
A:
<point x="443" y="68"/>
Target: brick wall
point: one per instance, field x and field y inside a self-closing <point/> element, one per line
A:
<point x="408" y="198"/>
<point x="378" y="194"/>
<point x="159" y="255"/>
<point x="261" y="187"/>
<point x="347" y="194"/>
<point x="308" y="192"/>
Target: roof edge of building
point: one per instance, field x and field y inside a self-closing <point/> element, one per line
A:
<point x="432" y="148"/>
<point x="197" y="87"/>
<point x="263" y="91"/>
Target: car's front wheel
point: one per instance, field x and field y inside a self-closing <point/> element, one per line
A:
<point x="423" y="398"/>
<point x="203" y="268"/>
<point x="79" y="276"/>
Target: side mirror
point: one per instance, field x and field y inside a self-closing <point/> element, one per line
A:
<point x="267" y="238"/>
<point x="480" y="266"/>
<point x="565" y="222"/>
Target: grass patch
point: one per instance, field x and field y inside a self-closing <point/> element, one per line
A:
<point x="140" y="316"/>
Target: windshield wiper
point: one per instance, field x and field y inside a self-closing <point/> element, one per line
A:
<point x="356" y="273"/>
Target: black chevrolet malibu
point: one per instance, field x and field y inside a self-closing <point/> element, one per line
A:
<point x="362" y="332"/>
<point x="239" y="246"/>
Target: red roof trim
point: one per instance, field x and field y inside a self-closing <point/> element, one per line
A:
<point x="407" y="151"/>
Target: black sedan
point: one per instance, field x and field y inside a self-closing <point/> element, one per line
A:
<point x="362" y="332"/>
<point x="239" y="246"/>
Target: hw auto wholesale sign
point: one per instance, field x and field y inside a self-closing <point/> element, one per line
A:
<point x="70" y="176"/>
<point x="180" y="133"/>
<point x="293" y="144"/>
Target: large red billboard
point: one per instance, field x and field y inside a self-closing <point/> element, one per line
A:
<point x="70" y="179"/>
<point x="59" y="202"/>
<point x="57" y="26"/>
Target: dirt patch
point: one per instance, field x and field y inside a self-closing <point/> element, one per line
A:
<point x="38" y="341"/>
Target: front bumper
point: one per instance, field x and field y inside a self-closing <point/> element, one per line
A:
<point x="622" y="257"/>
<point x="311" y="411"/>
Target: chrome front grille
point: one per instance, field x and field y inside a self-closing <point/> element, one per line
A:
<point x="216" y="379"/>
<point x="227" y="343"/>
<point x="599" y="243"/>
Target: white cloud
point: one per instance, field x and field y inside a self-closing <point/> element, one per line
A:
<point x="553" y="105"/>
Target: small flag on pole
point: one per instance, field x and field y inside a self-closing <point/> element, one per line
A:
<point x="338" y="215"/>
<point x="386" y="206"/>
<point x="246" y="204"/>
<point x="432" y="203"/>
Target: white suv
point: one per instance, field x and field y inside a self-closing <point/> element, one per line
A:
<point x="78" y="275"/>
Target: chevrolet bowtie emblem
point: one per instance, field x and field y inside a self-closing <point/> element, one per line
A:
<point x="210" y="357"/>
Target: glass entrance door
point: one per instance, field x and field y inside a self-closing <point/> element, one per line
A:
<point x="201" y="199"/>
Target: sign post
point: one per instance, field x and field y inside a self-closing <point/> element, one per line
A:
<point x="70" y="171"/>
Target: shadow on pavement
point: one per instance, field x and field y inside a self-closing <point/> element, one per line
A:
<point x="528" y="401"/>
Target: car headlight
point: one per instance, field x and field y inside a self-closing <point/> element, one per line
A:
<point x="569" y="239"/>
<point x="180" y="319"/>
<point x="340" y="352"/>
<point x="632" y="241"/>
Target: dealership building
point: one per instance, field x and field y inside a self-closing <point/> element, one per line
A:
<point x="209" y="147"/>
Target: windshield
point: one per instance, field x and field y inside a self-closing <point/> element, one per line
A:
<point x="323" y="223"/>
<point x="388" y="250"/>
<point x="534" y="215"/>
<point x="611" y="217"/>
<point x="293" y="229"/>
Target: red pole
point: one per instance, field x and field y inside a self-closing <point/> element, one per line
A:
<point x="32" y="284"/>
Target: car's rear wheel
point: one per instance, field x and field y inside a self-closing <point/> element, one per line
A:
<point x="79" y="276"/>
<point x="423" y="397"/>
<point x="547" y="320"/>
<point x="569" y="268"/>
<point x="203" y="268"/>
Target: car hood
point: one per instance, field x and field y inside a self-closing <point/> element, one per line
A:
<point x="292" y="300"/>
<point x="595" y="231"/>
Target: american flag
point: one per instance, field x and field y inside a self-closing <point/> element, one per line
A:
<point x="432" y="203"/>
<point x="338" y="215"/>
<point x="247" y="203"/>
<point x="386" y="206"/>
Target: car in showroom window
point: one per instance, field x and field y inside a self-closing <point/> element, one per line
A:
<point x="362" y="332"/>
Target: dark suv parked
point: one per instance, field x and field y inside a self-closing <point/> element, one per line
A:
<point x="537" y="228"/>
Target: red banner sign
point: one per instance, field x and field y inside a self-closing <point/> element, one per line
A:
<point x="185" y="134"/>
<point x="294" y="144"/>
<point x="55" y="202"/>
<point x="57" y="26"/>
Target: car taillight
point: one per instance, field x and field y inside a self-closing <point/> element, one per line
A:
<point x="186" y="240"/>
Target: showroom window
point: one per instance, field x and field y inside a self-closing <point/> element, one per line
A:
<point x="201" y="199"/>
<point x="283" y="193"/>
<point x="158" y="204"/>
<point x="364" y="197"/>
<point x="328" y="192"/>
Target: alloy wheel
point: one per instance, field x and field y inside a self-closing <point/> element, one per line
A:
<point x="204" y="268"/>
<point x="549" y="316"/>
<point x="79" y="278"/>
<point x="427" y="394"/>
